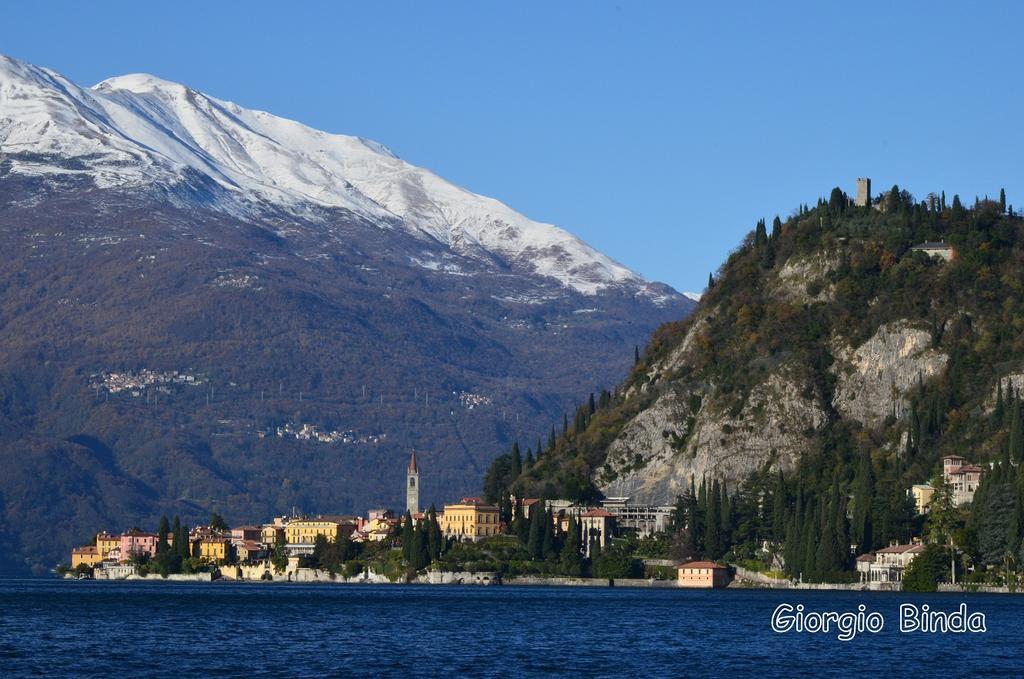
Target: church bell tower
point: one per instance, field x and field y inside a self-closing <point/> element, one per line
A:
<point x="412" y="486"/>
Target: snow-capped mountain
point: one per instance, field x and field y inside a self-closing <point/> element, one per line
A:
<point x="137" y="130"/>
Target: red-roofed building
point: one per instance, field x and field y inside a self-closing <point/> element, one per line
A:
<point x="703" y="575"/>
<point x="962" y="477"/>
<point x="887" y="565"/>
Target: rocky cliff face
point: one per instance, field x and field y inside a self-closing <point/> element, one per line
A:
<point x="875" y="377"/>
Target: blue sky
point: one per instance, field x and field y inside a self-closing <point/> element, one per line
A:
<point x="658" y="132"/>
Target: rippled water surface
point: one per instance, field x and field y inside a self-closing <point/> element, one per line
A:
<point x="58" y="628"/>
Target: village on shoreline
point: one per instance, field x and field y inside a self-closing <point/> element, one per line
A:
<point x="547" y="542"/>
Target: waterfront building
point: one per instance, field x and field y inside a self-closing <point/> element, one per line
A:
<point x="470" y="519"/>
<point x="246" y="533"/>
<point x="137" y="543"/>
<point x="703" y="575"/>
<point x="962" y="477"/>
<point x="215" y="549"/>
<point x="412" y="486"/>
<point x="271" y="533"/>
<point x="304" y="531"/>
<point x="88" y="555"/>
<point x="106" y="542"/>
<point x="250" y="551"/>
<point x="887" y="565"/>
<point x="596" y="528"/>
<point x="641" y="519"/>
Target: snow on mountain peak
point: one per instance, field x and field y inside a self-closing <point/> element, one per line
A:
<point x="137" y="129"/>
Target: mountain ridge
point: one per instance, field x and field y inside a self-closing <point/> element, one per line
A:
<point x="168" y="127"/>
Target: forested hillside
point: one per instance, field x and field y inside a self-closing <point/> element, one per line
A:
<point x="829" y="367"/>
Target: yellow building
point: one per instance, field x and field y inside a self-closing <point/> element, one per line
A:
<point x="471" y="519"/>
<point x="89" y="555"/>
<point x="922" y="494"/>
<point x="270" y="532"/>
<point x="304" y="531"/>
<point x="215" y="549"/>
<point x="106" y="542"/>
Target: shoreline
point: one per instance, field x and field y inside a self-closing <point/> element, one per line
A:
<point x="304" y="576"/>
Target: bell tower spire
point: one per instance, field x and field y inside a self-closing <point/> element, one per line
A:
<point x="412" y="486"/>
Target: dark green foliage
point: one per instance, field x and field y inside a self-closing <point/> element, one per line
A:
<point x="217" y="522"/>
<point x="616" y="562"/>
<point x="926" y="570"/>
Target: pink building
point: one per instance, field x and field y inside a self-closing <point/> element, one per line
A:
<point x="135" y="542"/>
<point x="963" y="477"/>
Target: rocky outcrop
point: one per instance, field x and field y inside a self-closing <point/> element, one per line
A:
<point x="873" y="379"/>
<point x="804" y="279"/>
<point x="694" y="432"/>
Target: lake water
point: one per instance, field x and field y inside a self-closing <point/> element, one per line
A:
<point x="66" y="628"/>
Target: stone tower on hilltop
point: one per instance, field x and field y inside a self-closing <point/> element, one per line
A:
<point x="863" y="192"/>
<point x="412" y="486"/>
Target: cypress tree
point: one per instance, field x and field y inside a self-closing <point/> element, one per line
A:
<point x="571" y="559"/>
<point x="162" y="532"/>
<point x="408" y="537"/>
<point x="535" y="540"/>
<point x="776" y="228"/>
<point x="548" y="535"/>
<point x="1002" y="200"/>
<point x="434" y="536"/>
<point x="725" y="533"/>
<point x="636" y="354"/>
<point x="711" y="281"/>
<point x="713" y="522"/>
<point x="529" y="460"/>
<point x="863" y="499"/>
<point x="997" y="413"/>
<point x="421" y="550"/>
<point x="517" y="461"/>
<point x="760" y="234"/>
<point x="779" y="507"/>
<point x="809" y="536"/>
<point x="181" y="542"/>
<point x="791" y="553"/>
